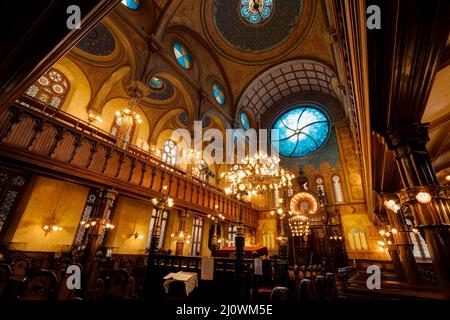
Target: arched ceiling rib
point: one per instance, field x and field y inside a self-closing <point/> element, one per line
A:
<point x="285" y="80"/>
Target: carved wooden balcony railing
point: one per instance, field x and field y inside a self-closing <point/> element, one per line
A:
<point x="35" y="134"/>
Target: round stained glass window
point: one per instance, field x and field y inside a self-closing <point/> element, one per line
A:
<point x="218" y="94"/>
<point x="131" y="4"/>
<point x="182" y="55"/>
<point x="156" y="83"/>
<point x="245" y="121"/>
<point x="300" y="131"/>
<point x="256" y="12"/>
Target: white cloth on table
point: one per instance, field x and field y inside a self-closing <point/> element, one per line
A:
<point x="190" y="280"/>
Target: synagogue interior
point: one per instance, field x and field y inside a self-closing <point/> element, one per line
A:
<point x="251" y="150"/>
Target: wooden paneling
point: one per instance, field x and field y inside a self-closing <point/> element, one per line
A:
<point x="35" y="135"/>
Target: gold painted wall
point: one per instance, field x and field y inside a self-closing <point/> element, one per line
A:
<point x="266" y="233"/>
<point x="130" y="216"/>
<point x="354" y="218"/>
<point x="50" y="199"/>
<point x="350" y="162"/>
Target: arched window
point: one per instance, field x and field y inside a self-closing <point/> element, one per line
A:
<point x="123" y="126"/>
<point x="51" y="88"/>
<point x="197" y="232"/>
<point x="245" y="121"/>
<point x="131" y="4"/>
<point x="165" y="216"/>
<point x="337" y="189"/>
<point x="231" y="234"/>
<point x="300" y="131"/>
<point x="420" y="249"/>
<point x="169" y="153"/>
<point x="357" y="239"/>
<point x="182" y="55"/>
<point x="320" y="190"/>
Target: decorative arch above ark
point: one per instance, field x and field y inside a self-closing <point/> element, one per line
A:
<point x="304" y="203"/>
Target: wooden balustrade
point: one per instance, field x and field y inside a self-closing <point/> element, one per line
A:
<point x="193" y="264"/>
<point x="47" y="138"/>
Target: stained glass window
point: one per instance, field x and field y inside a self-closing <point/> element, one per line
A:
<point x="197" y="232"/>
<point x="182" y="55"/>
<point x="131" y="4"/>
<point x="232" y="229"/>
<point x="164" y="218"/>
<point x="420" y="248"/>
<point x="169" y="154"/>
<point x="218" y="94"/>
<point x="337" y="189"/>
<point x="256" y="12"/>
<point x="245" y="121"/>
<point x="51" y="88"/>
<point x="301" y="131"/>
<point x="156" y="83"/>
<point x="357" y="239"/>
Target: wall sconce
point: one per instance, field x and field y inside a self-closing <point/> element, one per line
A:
<point x="93" y="222"/>
<point x="95" y="118"/>
<point x="180" y="237"/>
<point x="423" y="197"/>
<point x="447" y="178"/>
<point x="137" y="236"/>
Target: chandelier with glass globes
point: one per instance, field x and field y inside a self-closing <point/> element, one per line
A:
<point x="256" y="175"/>
<point x="299" y="225"/>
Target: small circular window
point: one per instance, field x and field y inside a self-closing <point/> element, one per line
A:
<point x="218" y="94"/>
<point x="156" y="83"/>
<point x="131" y="4"/>
<point x="182" y="55"/>
<point x="300" y="131"/>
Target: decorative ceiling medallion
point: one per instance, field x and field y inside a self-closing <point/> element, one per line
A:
<point x="256" y="12"/>
<point x="275" y="35"/>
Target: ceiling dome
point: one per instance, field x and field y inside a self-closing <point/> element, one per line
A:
<point x="273" y="28"/>
<point x="246" y="29"/>
<point x="99" y="41"/>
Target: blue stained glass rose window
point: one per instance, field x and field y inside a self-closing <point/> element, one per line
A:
<point x="218" y="94"/>
<point x="245" y="121"/>
<point x="301" y="131"/>
<point x="256" y="12"/>
<point x="182" y="55"/>
<point x="131" y="4"/>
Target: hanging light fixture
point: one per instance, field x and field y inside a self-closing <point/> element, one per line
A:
<point x="299" y="225"/>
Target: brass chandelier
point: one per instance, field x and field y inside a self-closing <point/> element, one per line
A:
<point x="256" y="175"/>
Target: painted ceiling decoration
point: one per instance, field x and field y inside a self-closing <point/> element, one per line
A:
<point x="182" y="55"/>
<point x="218" y="94"/>
<point x="162" y="89"/>
<point x="285" y="80"/>
<point x="235" y="21"/>
<point x="131" y="4"/>
<point x="99" y="41"/>
<point x="301" y="131"/>
<point x="256" y="12"/>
